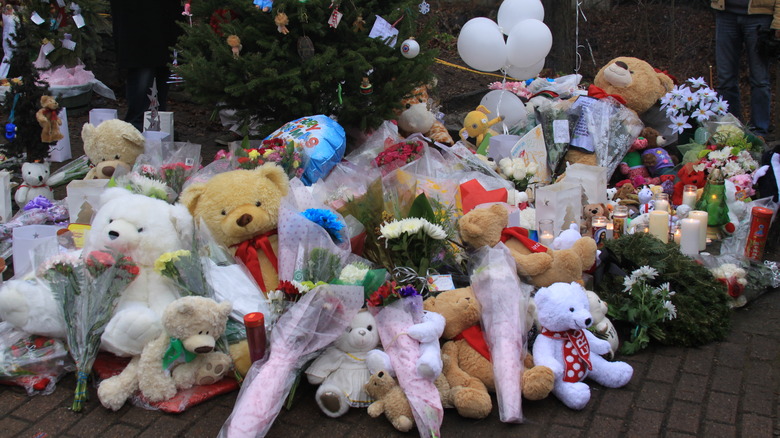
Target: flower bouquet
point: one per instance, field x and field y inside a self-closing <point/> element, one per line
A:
<point x="518" y="171"/>
<point x="173" y="165"/>
<point x="276" y="150"/>
<point x="504" y="301"/>
<point x="39" y="211"/>
<point x="88" y="289"/>
<point x="689" y="101"/>
<point x="517" y="88"/>
<point x="31" y="361"/>
<point x="316" y="320"/>
<point x="646" y="308"/>
<point x="396" y="309"/>
<point x="396" y="155"/>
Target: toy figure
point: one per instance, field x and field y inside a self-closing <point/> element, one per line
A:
<point x="264" y="5"/>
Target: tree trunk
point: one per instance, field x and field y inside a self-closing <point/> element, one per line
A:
<point x="561" y="17"/>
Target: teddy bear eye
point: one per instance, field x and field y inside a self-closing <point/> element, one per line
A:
<point x="116" y="157"/>
<point x="258" y="203"/>
<point x="140" y="230"/>
<point x="408" y="105"/>
<point x="200" y="332"/>
<point x="110" y="220"/>
<point x="223" y="212"/>
<point x="571" y="309"/>
<point x="369" y="328"/>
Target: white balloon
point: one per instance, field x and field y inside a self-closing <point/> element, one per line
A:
<point x="523" y="73"/>
<point x="528" y="43"/>
<point x="507" y="104"/>
<point x="512" y="12"/>
<point x="481" y="45"/>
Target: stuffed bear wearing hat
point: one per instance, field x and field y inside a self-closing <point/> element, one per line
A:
<point x="569" y="349"/>
<point x="137" y="226"/>
<point x="114" y="144"/>
<point x="635" y="80"/>
<point x="544" y="266"/>
<point x="181" y="357"/>
<point x="241" y="210"/>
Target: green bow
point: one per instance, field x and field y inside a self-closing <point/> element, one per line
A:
<point x="176" y="350"/>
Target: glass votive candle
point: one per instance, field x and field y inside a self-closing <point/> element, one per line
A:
<point x="690" y="193"/>
<point x="546" y="232"/>
<point x="619" y="220"/>
<point x="661" y="202"/>
<point x="598" y="229"/>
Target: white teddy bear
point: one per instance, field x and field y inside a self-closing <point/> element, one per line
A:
<point x="569" y="349"/>
<point x="342" y="371"/>
<point x="602" y="326"/>
<point x="36" y="177"/>
<point x="140" y="227"/>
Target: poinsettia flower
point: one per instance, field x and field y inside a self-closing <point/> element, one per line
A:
<point x="680" y="124"/>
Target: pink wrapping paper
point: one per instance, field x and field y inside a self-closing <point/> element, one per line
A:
<point x="504" y="301"/>
<point x="393" y="320"/>
<point x="310" y="325"/>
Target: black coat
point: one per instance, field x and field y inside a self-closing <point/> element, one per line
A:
<point x="145" y="31"/>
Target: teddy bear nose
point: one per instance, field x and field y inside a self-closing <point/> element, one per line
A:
<point x="588" y="321"/>
<point x="244" y="220"/>
<point x="204" y="349"/>
<point x="362" y="332"/>
<point x="40" y="178"/>
<point x="622" y="65"/>
<point x="113" y="235"/>
<point x="380" y="374"/>
<point x="109" y="170"/>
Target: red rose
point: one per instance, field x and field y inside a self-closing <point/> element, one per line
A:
<point x="100" y="258"/>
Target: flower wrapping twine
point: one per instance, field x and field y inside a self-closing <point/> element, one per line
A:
<point x="504" y="302"/>
<point x="308" y="326"/>
<point x="393" y="320"/>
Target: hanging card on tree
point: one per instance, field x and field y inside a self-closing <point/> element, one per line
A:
<point x="383" y="30"/>
<point x="335" y="18"/>
<point x="37" y="19"/>
<point x="78" y="20"/>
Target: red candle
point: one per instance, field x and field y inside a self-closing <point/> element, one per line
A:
<point x="255" y="335"/>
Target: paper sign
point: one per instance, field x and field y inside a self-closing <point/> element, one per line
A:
<point x="561" y="131"/>
<point x="78" y="20"/>
<point x="385" y="31"/>
<point x="31" y="245"/>
<point x="335" y="18"/>
<point x="5" y="196"/>
<point x="440" y="283"/>
<point x="582" y="137"/>
<point x="47" y="48"/>
<point x="83" y="197"/>
<point x="79" y="233"/>
<point x="68" y="44"/>
<point x="166" y="121"/>
<point x="532" y="148"/>
<point x="35" y="18"/>
<point x="60" y="151"/>
<point x="100" y="115"/>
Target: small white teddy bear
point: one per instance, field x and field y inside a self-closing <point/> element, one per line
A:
<point x="36" y="183"/>
<point x="342" y="371"/>
<point x="570" y="350"/>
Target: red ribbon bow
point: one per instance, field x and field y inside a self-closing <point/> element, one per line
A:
<point x="246" y="251"/>
<point x="599" y="93"/>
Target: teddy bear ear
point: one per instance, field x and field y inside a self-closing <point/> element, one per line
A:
<point x="185" y="308"/>
<point x="134" y="136"/>
<point x="87" y="131"/>
<point x="190" y="196"/>
<point x="225" y="307"/>
<point x="430" y="304"/>
<point x="182" y="221"/>
<point x="276" y="175"/>
<point x="113" y="193"/>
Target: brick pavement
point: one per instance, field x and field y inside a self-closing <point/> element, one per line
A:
<point x="725" y="389"/>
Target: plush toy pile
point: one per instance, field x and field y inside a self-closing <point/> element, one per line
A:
<point x="369" y="275"/>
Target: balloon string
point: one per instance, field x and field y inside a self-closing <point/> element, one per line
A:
<point x="449" y="64"/>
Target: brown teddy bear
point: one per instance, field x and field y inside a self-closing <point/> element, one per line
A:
<point x="467" y="368"/>
<point x="241" y="210"/>
<point x="591" y="210"/>
<point x="636" y="81"/>
<point x="112" y="145"/>
<point x="49" y="119"/>
<point x="416" y="116"/>
<point x="543" y="266"/>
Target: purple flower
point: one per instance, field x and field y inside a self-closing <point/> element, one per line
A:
<point x="407" y="291"/>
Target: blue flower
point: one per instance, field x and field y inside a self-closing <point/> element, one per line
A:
<point x="327" y="220"/>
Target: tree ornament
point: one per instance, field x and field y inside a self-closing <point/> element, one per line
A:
<point x="359" y="25"/>
<point x="410" y="48"/>
<point x="424" y="7"/>
<point x="281" y="22"/>
<point x="365" y="87"/>
<point x="305" y="48"/>
<point x="235" y="45"/>
<point x="335" y="18"/>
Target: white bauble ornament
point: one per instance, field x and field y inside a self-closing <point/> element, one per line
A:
<point x="410" y="48"/>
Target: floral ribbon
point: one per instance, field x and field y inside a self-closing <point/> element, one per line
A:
<point x="599" y="93"/>
<point x="247" y="252"/>
<point x="475" y="337"/>
<point x="576" y="353"/>
<point x="175" y="352"/>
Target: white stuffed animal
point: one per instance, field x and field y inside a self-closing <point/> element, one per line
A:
<point x="36" y="183"/>
<point x="602" y="326"/>
<point x="140" y="227"/>
<point x="569" y="349"/>
<point x="341" y="370"/>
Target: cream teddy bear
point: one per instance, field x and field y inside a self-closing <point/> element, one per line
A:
<point x="181" y="357"/>
<point x="602" y="326"/>
<point x="111" y="146"/>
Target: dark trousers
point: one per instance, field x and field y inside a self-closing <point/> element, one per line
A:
<point x="139" y="87"/>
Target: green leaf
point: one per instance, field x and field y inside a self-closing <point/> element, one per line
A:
<point x="421" y="208"/>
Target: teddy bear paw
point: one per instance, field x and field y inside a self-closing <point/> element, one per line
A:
<point x="111" y="395"/>
<point x="158" y="391"/>
<point x="472" y="403"/>
<point x="538" y="382"/>
<point x="213" y="369"/>
<point x="403" y="423"/>
<point x="331" y="402"/>
<point x="574" y="395"/>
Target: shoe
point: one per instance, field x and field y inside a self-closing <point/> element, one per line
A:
<point x="225" y="139"/>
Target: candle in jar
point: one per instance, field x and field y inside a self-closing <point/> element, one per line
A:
<point x="678" y="236"/>
<point x="702" y="217"/>
<point x="546" y="234"/>
<point x="610" y="230"/>
<point x="659" y="225"/>
<point x="689" y="195"/>
<point x="599" y="229"/>
<point x="689" y="241"/>
<point x="619" y="217"/>
<point x="661" y="202"/>
<point x="546" y="238"/>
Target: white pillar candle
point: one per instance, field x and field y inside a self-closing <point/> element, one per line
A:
<point x="659" y="225"/>
<point x="689" y="195"/>
<point x="702" y="218"/>
<point x="689" y="240"/>
<point x="661" y="205"/>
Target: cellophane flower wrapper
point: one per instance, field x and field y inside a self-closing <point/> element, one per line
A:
<point x="364" y="154"/>
<point x="39" y="211"/>
<point x="554" y="115"/>
<point x="393" y="320"/>
<point x="34" y="362"/>
<point x="173" y="164"/>
<point x="504" y="300"/>
<point x="310" y="325"/>
<point x="75" y="169"/>
<point x="345" y="183"/>
<point x="735" y="243"/>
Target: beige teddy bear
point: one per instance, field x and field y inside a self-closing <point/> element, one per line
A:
<point x="112" y="145"/>
<point x="542" y="266"/>
<point x="49" y="119"/>
<point x="181" y="357"/>
<point x="635" y="80"/>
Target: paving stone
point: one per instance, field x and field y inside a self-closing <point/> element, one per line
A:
<point x="722" y="407"/>
<point x="727" y="380"/>
<point x="699" y="360"/>
<point x="567" y="417"/>
<point x="691" y="387"/>
<point x="12" y="400"/>
<point x="719" y="430"/>
<point x="292" y="430"/>
<point x="645" y="423"/>
<point x="664" y="368"/>
<point x="93" y="423"/>
<point x="164" y="427"/>
<point x="57" y="421"/>
<point x="654" y="396"/>
<point x="760" y="372"/>
<point x="38" y="406"/>
<point x="606" y="427"/>
<point x="209" y="424"/>
<point x="11" y="426"/>
<point x="135" y="416"/>
<point x="616" y="403"/>
<point x="754" y="426"/>
<point x="759" y="400"/>
<point x="732" y="355"/>
<point x="121" y="431"/>
<point x="764" y="348"/>
<point x="684" y="417"/>
<point x="674" y="434"/>
<point x="557" y="431"/>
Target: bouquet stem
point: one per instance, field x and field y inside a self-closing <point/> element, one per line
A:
<point x="80" y="395"/>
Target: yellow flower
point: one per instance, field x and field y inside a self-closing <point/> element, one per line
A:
<point x="162" y="262"/>
<point x="267" y="153"/>
<point x="253" y="154"/>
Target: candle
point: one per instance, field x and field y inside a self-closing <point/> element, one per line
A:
<point x="599" y="230"/>
<point x="610" y="230"/>
<point x="659" y="225"/>
<point x="689" y="241"/>
<point x="678" y="237"/>
<point x="661" y="202"/>
<point x="702" y="217"/>
<point x="689" y="195"/>
<point x="546" y="234"/>
<point x="619" y="217"/>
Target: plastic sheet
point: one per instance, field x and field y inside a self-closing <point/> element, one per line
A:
<point x="34" y="362"/>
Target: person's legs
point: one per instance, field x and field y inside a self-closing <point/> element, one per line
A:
<point x="139" y="84"/>
<point x="162" y="75"/>
<point x="728" y="48"/>
<point x="760" y="82"/>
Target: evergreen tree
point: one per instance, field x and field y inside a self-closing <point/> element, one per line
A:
<point x="278" y="77"/>
<point x="29" y="89"/>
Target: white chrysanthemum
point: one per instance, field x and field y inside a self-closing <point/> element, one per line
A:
<point x="433" y="231"/>
<point x="353" y="273"/>
<point x="671" y="310"/>
<point x="275" y="295"/>
<point x="628" y="284"/>
<point x="411" y="225"/>
<point x="645" y="272"/>
<point x="700" y="167"/>
<point x="664" y="287"/>
<point x="302" y="288"/>
<point x="720" y="154"/>
<point x="731" y="168"/>
<point x="390" y="230"/>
